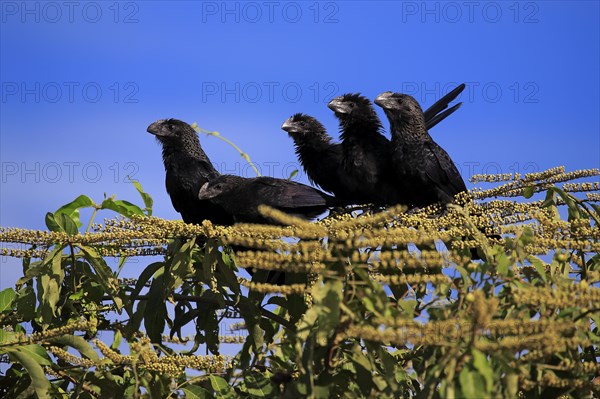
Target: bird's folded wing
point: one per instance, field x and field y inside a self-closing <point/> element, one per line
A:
<point x="441" y="170"/>
<point x="296" y="195"/>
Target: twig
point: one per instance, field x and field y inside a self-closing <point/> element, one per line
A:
<point x="231" y="143"/>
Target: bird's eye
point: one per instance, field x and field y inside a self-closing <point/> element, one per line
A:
<point x="303" y="123"/>
<point x="352" y="105"/>
<point x="219" y="186"/>
<point x="170" y="126"/>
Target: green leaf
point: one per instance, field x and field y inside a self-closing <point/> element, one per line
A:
<point x="66" y="224"/>
<point x="104" y="275"/>
<point x="251" y="315"/>
<point x="36" y="353"/>
<point x="117" y="339"/>
<point x="408" y="306"/>
<point x="329" y="298"/>
<point x="527" y="237"/>
<point x="539" y="266"/>
<point x="183" y="318"/>
<point x="156" y="310"/>
<point x="78" y="343"/>
<point x="148" y="201"/>
<point x="528" y="192"/>
<point x="181" y="265"/>
<point x="5" y="337"/>
<point x="258" y="385"/>
<point x="25" y="303"/>
<point x="482" y="365"/>
<point x="51" y="222"/>
<point x="362" y="365"/>
<point x="471" y="384"/>
<point x="135" y="320"/>
<point x="293" y="174"/>
<point x="220" y="387"/>
<point x="226" y="270"/>
<point x="7" y="297"/>
<point x="511" y="384"/>
<point x="503" y="264"/>
<point x="212" y="256"/>
<point x="146" y="275"/>
<point x="124" y="208"/>
<point x="195" y="392"/>
<point x="39" y="268"/>
<point x="72" y="208"/>
<point x="30" y="359"/>
<point x="48" y="285"/>
<point x="573" y="209"/>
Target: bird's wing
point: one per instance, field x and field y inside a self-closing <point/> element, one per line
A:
<point x="440" y="168"/>
<point x="184" y="181"/>
<point x="176" y="193"/>
<point x="280" y="193"/>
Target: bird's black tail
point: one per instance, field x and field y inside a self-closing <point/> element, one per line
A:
<point x="441" y="116"/>
<point x="434" y="115"/>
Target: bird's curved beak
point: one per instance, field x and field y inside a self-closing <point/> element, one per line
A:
<point x="203" y="193"/>
<point x="154" y="128"/>
<point x="338" y="106"/>
<point x="288" y="126"/>
<point x="384" y="100"/>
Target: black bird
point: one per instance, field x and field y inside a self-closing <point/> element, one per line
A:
<point x="416" y="159"/>
<point x="365" y="150"/>
<point x="419" y="160"/>
<point x="241" y="197"/>
<point x="321" y="159"/>
<point x="187" y="168"/>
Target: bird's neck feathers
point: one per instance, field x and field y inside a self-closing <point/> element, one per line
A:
<point x="360" y="127"/>
<point x="309" y="154"/>
<point x="410" y="127"/>
<point x="313" y="141"/>
<point x="182" y="148"/>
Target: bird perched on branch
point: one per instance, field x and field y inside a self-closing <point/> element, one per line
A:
<point x="365" y="150"/>
<point x="415" y="158"/>
<point x="321" y="159"/>
<point x="187" y="168"/>
<point x="240" y="197"/>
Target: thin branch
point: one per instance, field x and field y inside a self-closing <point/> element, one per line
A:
<point x="231" y="143"/>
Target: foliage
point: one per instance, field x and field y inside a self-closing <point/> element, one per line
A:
<point x="378" y="303"/>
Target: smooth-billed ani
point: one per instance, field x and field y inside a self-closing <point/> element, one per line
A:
<point x="187" y="168"/>
<point x="416" y="159"/>
<point x="241" y="197"/>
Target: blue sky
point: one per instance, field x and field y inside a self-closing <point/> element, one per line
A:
<point x="80" y="84"/>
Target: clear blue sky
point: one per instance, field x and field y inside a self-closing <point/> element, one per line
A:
<point x="81" y="82"/>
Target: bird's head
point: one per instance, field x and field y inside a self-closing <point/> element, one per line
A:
<point x="222" y="185"/>
<point x="177" y="139"/>
<point x="210" y="190"/>
<point x="398" y="104"/>
<point x="301" y="126"/>
<point x="171" y="130"/>
<point x="352" y="105"/>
